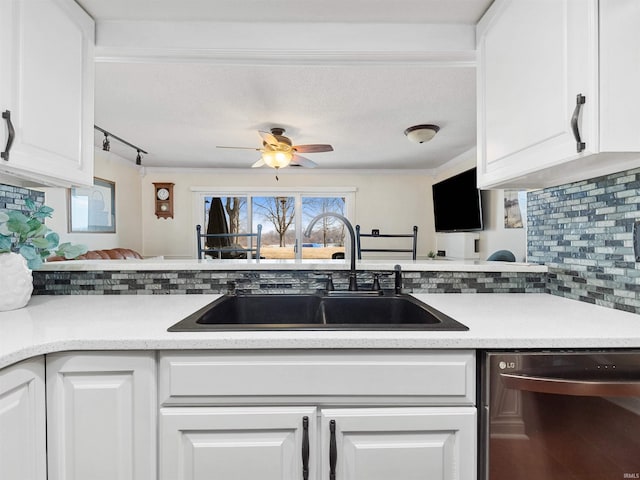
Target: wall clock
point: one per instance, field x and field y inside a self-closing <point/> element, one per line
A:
<point x="163" y="199"/>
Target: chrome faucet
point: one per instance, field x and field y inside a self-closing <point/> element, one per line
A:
<point x="353" y="282"/>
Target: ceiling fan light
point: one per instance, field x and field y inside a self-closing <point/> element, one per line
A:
<point x="277" y="159"/>
<point x="421" y="133"/>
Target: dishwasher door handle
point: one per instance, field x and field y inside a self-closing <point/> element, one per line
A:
<point x="570" y="386"/>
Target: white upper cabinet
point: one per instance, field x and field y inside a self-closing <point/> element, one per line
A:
<point x="538" y="60"/>
<point x="46" y="92"/>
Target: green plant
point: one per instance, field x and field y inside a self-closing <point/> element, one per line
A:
<point x="431" y="254"/>
<point x="31" y="238"/>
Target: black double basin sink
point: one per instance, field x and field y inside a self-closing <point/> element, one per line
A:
<point x="317" y="312"/>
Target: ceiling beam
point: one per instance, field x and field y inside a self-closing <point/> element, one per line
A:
<point x="301" y="43"/>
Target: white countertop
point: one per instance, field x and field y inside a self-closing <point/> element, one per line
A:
<point x="158" y="263"/>
<point x="140" y="322"/>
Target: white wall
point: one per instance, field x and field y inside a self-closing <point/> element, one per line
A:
<point x="391" y="201"/>
<point x="126" y="176"/>
<point x="495" y="236"/>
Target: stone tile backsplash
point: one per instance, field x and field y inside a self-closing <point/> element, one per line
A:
<point x="273" y="282"/>
<point x="583" y="232"/>
<point x="12" y="198"/>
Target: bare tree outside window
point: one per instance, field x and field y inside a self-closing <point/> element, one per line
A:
<point x="278" y="211"/>
<point x="327" y="237"/>
<point x="232" y="206"/>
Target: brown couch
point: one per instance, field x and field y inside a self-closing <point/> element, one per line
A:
<point x="110" y="254"/>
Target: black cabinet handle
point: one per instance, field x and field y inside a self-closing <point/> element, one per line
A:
<point x="12" y="133"/>
<point x="580" y="100"/>
<point x="305" y="448"/>
<point x="333" y="450"/>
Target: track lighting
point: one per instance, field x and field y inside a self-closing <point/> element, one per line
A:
<point x="106" y="144"/>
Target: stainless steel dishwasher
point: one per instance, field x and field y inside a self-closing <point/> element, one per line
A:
<point x="570" y="415"/>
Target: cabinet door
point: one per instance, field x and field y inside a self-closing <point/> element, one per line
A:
<point x="434" y="443"/>
<point x="101" y="411"/>
<point x="535" y="57"/>
<point x="244" y="443"/>
<point x="23" y="452"/>
<point x="46" y="53"/>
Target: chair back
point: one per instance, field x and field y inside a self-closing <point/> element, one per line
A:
<point x="375" y="233"/>
<point x="233" y="249"/>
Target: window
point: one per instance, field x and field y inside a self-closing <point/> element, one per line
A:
<point x="93" y="209"/>
<point x="283" y="215"/>
<point x="327" y="239"/>
<point x="277" y="215"/>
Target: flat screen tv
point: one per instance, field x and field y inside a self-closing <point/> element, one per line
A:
<point x="457" y="203"/>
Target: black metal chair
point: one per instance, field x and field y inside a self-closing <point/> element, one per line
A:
<point x="375" y="233"/>
<point x="234" y="250"/>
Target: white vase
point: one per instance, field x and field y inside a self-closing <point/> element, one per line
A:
<point x="16" y="281"/>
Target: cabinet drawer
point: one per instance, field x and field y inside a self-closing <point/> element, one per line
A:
<point x="322" y="377"/>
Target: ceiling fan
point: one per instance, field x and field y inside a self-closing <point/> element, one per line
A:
<point x="279" y="151"/>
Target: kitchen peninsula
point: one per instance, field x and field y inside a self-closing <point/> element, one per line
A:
<point x="112" y="367"/>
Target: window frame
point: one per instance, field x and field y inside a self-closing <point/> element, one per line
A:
<point x="349" y="194"/>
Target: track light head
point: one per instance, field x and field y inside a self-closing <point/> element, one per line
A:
<point x="106" y="144"/>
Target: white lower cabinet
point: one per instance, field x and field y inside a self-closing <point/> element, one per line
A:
<point x="317" y="415"/>
<point x="435" y="443"/>
<point x="101" y="416"/>
<point x="281" y="443"/>
<point x="23" y="454"/>
<point x="263" y="443"/>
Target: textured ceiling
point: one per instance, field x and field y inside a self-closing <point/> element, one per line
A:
<point x="179" y="111"/>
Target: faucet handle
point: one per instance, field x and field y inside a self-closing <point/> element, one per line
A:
<point x="376" y="280"/>
<point x="329" y="278"/>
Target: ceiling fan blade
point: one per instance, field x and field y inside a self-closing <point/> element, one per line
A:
<point x="268" y="138"/>
<point x="240" y="148"/>
<point x="259" y="163"/>
<point x="313" y="148"/>
<point x="298" y="161"/>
